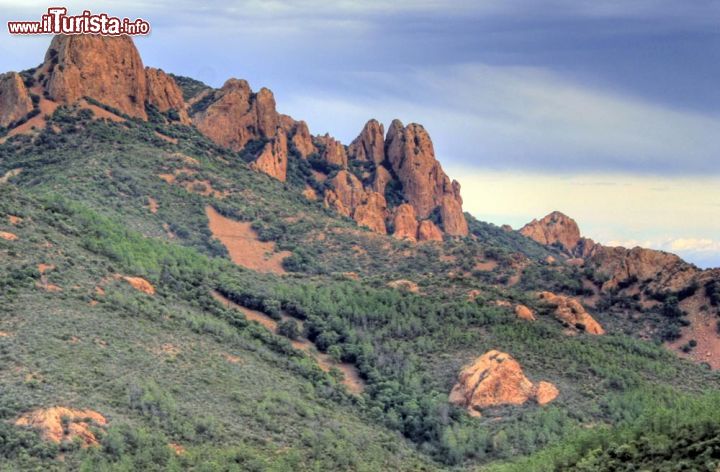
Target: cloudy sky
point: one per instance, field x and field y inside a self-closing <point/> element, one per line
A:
<point x="608" y="110"/>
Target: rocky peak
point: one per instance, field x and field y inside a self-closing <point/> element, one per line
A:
<point x="302" y="140"/>
<point x="332" y="151"/>
<point x="235" y="115"/>
<point x="555" y="228"/>
<point x="164" y="93"/>
<point x="15" y="100"/>
<point x="108" y="69"/>
<point x="426" y="187"/>
<point x="370" y="144"/>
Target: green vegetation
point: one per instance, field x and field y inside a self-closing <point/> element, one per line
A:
<point x="181" y="368"/>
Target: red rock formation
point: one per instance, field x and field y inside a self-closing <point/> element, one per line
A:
<point x="381" y="179"/>
<point x="405" y="223"/>
<point x="496" y="379"/>
<point x="274" y="158"/>
<point x="425" y="185"/>
<point x="370" y="144"/>
<point x="555" y="228"/>
<point x="332" y="151"/>
<point x="235" y="115"/>
<point x="108" y="69"/>
<point x="164" y="93"/>
<point x="302" y="139"/>
<point x="372" y="213"/>
<point x="572" y="312"/>
<point x="15" y="100"/>
<point x="428" y="231"/>
<point x="524" y="313"/>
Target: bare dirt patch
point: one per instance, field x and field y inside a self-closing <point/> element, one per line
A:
<point x="152" y="205"/>
<point x="10" y="174"/>
<point x="243" y="244"/>
<point x="169" y="139"/>
<point x="59" y="424"/>
<point x="138" y="283"/>
<point x="703" y="329"/>
<point x="14" y="220"/>
<point x="100" y="113"/>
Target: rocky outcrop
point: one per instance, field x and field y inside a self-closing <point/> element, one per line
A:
<point x="372" y="213"/>
<point x="572" y="313"/>
<point x="15" y="102"/>
<point x="524" y="313"/>
<point x="273" y="159"/>
<point x="164" y="93"/>
<point x="348" y="197"/>
<point x="332" y="151"/>
<point x="496" y="379"/>
<point x="108" y="69"/>
<point x="554" y="229"/>
<point x="60" y="424"/>
<point x="140" y="284"/>
<point x="302" y="140"/>
<point x="370" y="144"/>
<point x="381" y="178"/>
<point x="428" y="231"/>
<point x="235" y="115"/>
<point x="425" y="185"/>
<point x="405" y="223"/>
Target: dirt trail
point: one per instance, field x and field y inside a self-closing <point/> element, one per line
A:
<point x="351" y="377"/>
<point x="243" y="244"/>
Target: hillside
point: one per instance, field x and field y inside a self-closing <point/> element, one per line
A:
<point x="199" y="283"/>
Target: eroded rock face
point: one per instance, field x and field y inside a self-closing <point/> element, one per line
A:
<point x="15" y="100"/>
<point x="273" y="159"/>
<point x="348" y="197"/>
<point x="370" y="144"/>
<point x="428" y="231"/>
<point x="425" y="185"/>
<point x="372" y="213"/>
<point x="51" y="424"/>
<point x="108" y="69"/>
<point x="235" y="115"/>
<point x="381" y="178"/>
<point x="302" y="140"/>
<point x="332" y="151"/>
<point x="164" y="93"/>
<point x="405" y="223"/>
<point x="555" y="228"/>
<point x="496" y="379"/>
<point x="572" y="312"/>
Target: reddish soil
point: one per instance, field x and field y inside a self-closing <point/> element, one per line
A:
<point x="703" y="329"/>
<point x="243" y="244"/>
<point x="166" y="138"/>
<point x="8" y="236"/>
<point x="49" y="422"/>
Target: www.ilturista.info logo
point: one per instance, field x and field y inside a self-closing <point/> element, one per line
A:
<point x="57" y="21"/>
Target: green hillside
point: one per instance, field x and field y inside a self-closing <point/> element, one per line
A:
<point x="179" y="367"/>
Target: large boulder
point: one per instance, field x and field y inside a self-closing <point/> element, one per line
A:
<point x="554" y="229"/>
<point x="571" y="312"/>
<point x="496" y="379"/>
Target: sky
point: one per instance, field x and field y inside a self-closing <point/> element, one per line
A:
<point x="607" y="110"/>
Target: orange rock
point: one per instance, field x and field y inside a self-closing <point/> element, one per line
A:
<point x="545" y="392"/>
<point x="347" y="193"/>
<point x="108" y="69"/>
<point x="495" y="379"/>
<point x="524" y="313"/>
<point x="274" y="157"/>
<point x="572" y="312"/>
<point x="309" y="193"/>
<point x="164" y="93"/>
<point x="405" y="223"/>
<point x="332" y="151"/>
<point x="370" y="144"/>
<point x="235" y="115"/>
<point x="42" y="268"/>
<point x="138" y="283"/>
<point x="15" y="100"/>
<point x="425" y="185"/>
<point x="8" y="236"/>
<point x="381" y="178"/>
<point x="14" y="220"/>
<point x="177" y="448"/>
<point x="302" y="140"/>
<point x="50" y="421"/>
<point x="555" y="228"/>
<point x="428" y="231"/>
<point x="372" y="213"/>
